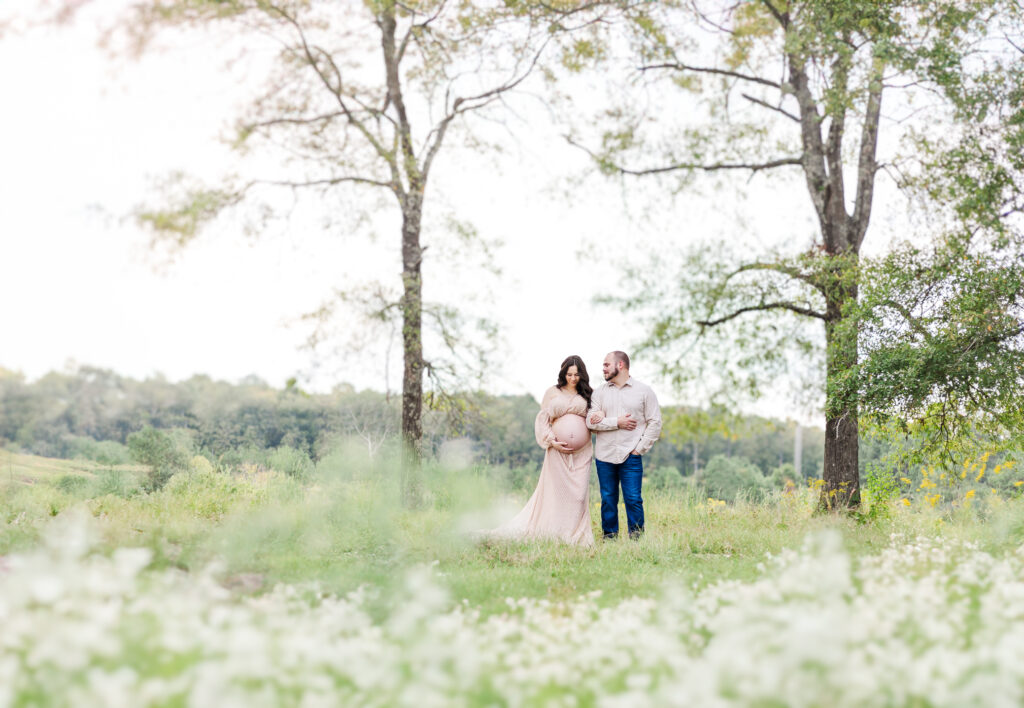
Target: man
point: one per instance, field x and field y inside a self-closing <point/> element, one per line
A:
<point x="631" y="424"/>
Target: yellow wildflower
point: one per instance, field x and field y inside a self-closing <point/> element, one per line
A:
<point x="980" y="475"/>
<point x="1018" y="482"/>
<point x="904" y="480"/>
<point x="970" y="494"/>
<point x="906" y="502"/>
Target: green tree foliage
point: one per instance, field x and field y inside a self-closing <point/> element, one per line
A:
<point x="942" y="336"/>
<point x="727" y="478"/>
<point x="695" y="436"/>
<point x="160" y="452"/>
<point x="663" y="478"/>
<point x="294" y="463"/>
<point x="253" y="423"/>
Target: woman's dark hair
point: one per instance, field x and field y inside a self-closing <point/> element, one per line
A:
<point x="583" y="387"/>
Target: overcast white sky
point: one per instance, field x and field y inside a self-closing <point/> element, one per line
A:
<point x="83" y="136"/>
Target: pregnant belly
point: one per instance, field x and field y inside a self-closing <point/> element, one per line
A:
<point x="572" y="430"/>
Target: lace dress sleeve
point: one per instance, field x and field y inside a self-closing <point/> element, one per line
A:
<point x="542" y="426"/>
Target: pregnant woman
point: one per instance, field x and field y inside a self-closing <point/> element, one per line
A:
<point x="560" y="506"/>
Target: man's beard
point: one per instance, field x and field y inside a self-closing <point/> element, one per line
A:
<point x="612" y="375"/>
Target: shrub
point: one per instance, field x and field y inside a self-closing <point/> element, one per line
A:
<point x="202" y="490"/>
<point x="292" y="462"/>
<point x="105" y="452"/>
<point x="728" y="477"/>
<point x="663" y="478"/>
<point x="782" y="476"/>
<point x="880" y="489"/>
<point x="160" y="452"/>
<point x="240" y="456"/>
<point x="74" y="484"/>
<point x="115" y="482"/>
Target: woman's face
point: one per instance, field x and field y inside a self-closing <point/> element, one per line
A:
<point x="572" y="376"/>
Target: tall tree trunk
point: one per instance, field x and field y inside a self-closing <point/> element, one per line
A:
<point x="841" y="473"/>
<point x="412" y="349"/>
<point x="411" y="200"/>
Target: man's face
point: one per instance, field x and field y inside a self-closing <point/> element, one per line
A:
<point x="609" y="367"/>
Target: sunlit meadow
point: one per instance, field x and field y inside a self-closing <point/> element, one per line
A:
<point x="249" y="587"/>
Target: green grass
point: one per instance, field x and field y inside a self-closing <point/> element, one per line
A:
<point x="345" y="528"/>
<point x="31" y="469"/>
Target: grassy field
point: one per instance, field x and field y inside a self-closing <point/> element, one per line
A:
<point x="346" y="530"/>
<point x="255" y="543"/>
<point x="31" y="469"/>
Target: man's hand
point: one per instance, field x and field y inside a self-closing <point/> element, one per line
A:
<point x="560" y="446"/>
<point x="626" y="422"/>
<point x="596" y="417"/>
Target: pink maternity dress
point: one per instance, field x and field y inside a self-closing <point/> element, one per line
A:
<point x="560" y="506"/>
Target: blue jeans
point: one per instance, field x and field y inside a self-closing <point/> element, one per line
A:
<point x="630" y="474"/>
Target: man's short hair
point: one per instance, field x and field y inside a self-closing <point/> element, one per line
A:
<point x="621" y="356"/>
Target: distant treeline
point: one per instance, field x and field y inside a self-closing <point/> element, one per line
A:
<point x="73" y="414"/>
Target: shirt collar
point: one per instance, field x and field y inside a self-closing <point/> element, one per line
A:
<point x="629" y="382"/>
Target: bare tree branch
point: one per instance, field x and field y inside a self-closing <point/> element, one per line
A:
<point x="769" y="106"/>
<point x="326" y="117"/>
<point x="337" y="93"/>
<point x="1013" y="44"/>
<point x="417" y="26"/>
<point x="792" y="272"/>
<point x="469" y="103"/>
<point x="713" y="167"/>
<point x="782" y="18"/>
<point x="323" y="182"/>
<point x="712" y="70"/>
<point x="781" y="305"/>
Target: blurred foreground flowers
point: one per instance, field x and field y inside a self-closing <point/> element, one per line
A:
<point x="924" y="622"/>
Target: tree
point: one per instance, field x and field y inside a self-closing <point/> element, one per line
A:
<point x="363" y="96"/>
<point x="798" y="86"/>
<point x="370" y="419"/>
<point x="727" y="478"/>
<point x="160" y="452"/>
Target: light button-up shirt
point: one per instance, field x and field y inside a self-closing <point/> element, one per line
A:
<point x="636" y="398"/>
